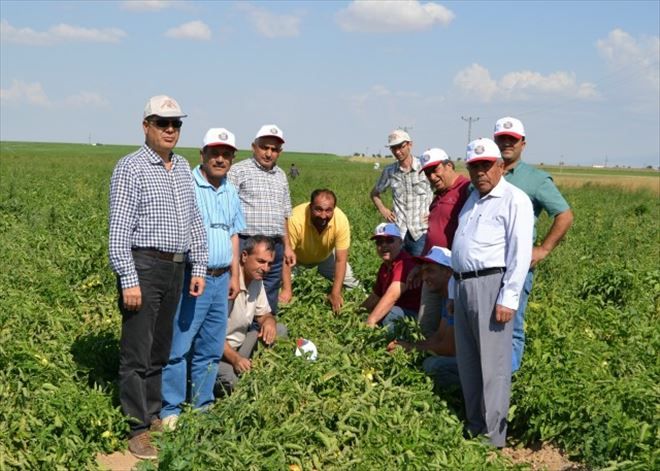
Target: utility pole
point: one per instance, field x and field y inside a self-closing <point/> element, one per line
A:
<point x="469" y="120"/>
<point x="406" y="128"/>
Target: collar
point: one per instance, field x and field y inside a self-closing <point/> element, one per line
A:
<point x="512" y="169"/>
<point x="201" y="180"/>
<point x="156" y="159"/>
<point x="498" y="190"/>
<point x="241" y="279"/>
<point x="415" y="165"/>
<point x="262" y="168"/>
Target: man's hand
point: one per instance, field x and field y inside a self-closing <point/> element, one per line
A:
<point x="268" y="331"/>
<point x="336" y="301"/>
<point x="289" y="256"/>
<point x="241" y="365"/>
<point x="197" y="284"/>
<point x="234" y="287"/>
<point x="132" y="298"/>
<point x="407" y="346"/>
<point x="388" y="214"/>
<point x="538" y="254"/>
<point x="503" y="314"/>
<point x="371" y="323"/>
<point x="414" y="279"/>
<point x="285" y="296"/>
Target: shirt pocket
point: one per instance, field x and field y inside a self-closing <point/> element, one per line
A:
<point x="489" y="232"/>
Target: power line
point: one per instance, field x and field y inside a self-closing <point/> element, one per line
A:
<point x="469" y="120"/>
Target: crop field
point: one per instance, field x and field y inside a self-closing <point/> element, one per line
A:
<point x="590" y="380"/>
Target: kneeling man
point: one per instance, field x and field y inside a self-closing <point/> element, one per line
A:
<point x="250" y="304"/>
<point x="391" y="299"/>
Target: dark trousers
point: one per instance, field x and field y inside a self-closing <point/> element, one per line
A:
<point x="146" y="337"/>
<point x="273" y="279"/>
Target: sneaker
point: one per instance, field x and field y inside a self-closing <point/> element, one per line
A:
<point x="156" y="425"/>
<point x="169" y="423"/>
<point x="140" y="446"/>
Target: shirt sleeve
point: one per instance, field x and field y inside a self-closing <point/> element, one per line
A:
<point x="384" y="181"/>
<point x="261" y="306"/>
<point x="124" y="201"/>
<point x="238" y="222"/>
<point x="294" y="230"/>
<point x="518" y="252"/>
<point x="399" y="271"/>
<point x="548" y="195"/>
<point x="199" y="251"/>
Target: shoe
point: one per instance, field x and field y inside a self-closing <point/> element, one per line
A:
<point x="169" y="423"/>
<point x="156" y="425"/>
<point x="140" y="446"/>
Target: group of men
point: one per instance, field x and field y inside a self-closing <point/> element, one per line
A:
<point x="475" y="254"/>
<point x="201" y="255"/>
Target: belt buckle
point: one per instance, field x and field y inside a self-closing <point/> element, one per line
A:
<point x="178" y="258"/>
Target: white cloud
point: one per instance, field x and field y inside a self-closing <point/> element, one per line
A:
<point x="34" y="94"/>
<point x="638" y="58"/>
<point x="58" y="33"/>
<point x="475" y="81"/>
<point x="192" y="30"/>
<point x="23" y="92"/>
<point x="379" y="95"/>
<point x="269" y="24"/>
<point x="150" y="5"/>
<point x="392" y="16"/>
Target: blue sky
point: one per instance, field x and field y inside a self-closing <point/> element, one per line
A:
<point x="339" y="76"/>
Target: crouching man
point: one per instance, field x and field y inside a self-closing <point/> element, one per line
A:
<point x="250" y="304"/>
<point x="441" y="366"/>
<point x="391" y="299"/>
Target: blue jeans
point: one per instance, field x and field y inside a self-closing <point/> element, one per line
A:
<point x="273" y="278"/>
<point x="443" y="370"/>
<point x="200" y="327"/>
<point x="397" y="313"/>
<point x="412" y="246"/>
<point x="519" y="324"/>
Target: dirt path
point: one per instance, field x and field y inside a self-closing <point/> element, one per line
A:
<point x="542" y="457"/>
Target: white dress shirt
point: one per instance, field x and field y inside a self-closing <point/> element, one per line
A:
<point x="496" y="231"/>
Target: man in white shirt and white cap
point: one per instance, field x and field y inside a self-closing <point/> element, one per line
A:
<point x="491" y="254"/>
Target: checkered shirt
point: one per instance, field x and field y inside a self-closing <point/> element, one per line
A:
<point x="151" y="207"/>
<point x="411" y="196"/>
<point x="264" y="196"/>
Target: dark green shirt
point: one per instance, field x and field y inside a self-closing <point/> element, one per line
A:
<point x="540" y="188"/>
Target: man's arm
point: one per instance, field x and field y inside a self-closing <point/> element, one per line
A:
<point x="234" y="283"/>
<point x="386" y="303"/>
<point x="289" y="254"/>
<point x="199" y="250"/>
<point x="560" y="226"/>
<point x="381" y="185"/>
<point x="335" y="297"/>
<point x="441" y="342"/>
<point x="268" y="331"/>
<point x="240" y="364"/>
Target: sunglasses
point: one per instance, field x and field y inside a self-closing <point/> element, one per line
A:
<point x="398" y="146"/>
<point x="166" y="123"/>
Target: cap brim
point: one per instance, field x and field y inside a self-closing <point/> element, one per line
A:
<point x="429" y="165"/>
<point x="430" y="260"/>
<point x="481" y="159"/>
<point x="271" y="135"/>
<point x="508" y="133"/>
<point x="378" y="236"/>
<point x="218" y="144"/>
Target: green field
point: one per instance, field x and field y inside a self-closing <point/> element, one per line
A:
<point x="589" y="381"/>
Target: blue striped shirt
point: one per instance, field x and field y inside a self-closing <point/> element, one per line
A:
<point x="151" y="207"/>
<point x="222" y="215"/>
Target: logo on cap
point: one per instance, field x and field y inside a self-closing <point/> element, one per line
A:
<point x="223" y="136"/>
<point x="273" y="130"/>
<point x="169" y="104"/>
<point x="507" y="125"/>
<point x="479" y="150"/>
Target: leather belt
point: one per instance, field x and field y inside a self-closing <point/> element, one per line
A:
<point x="215" y="272"/>
<point x="176" y="257"/>
<point x="474" y="274"/>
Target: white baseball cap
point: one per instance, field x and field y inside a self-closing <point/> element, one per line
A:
<point x="163" y="106"/>
<point x="386" y="229"/>
<point x="433" y="157"/>
<point x="396" y="137"/>
<point x="482" y="149"/>
<point x="509" y="126"/>
<point x="437" y="254"/>
<point x="219" y="137"/>
<point x="270" y="130"/>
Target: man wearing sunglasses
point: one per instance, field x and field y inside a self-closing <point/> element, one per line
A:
<point x="155" y="226"/>
<point x="264" y="193"/>
<point x="411" y="193"/>
<point x="391" y="299"/>
<point x="200" y="323"/>
<point x="509" y="135"/>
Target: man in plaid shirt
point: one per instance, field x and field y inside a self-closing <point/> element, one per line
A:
<point x="411" y="193"/>
<point x="264" y="193"/>
<point x="154" y="226"/>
